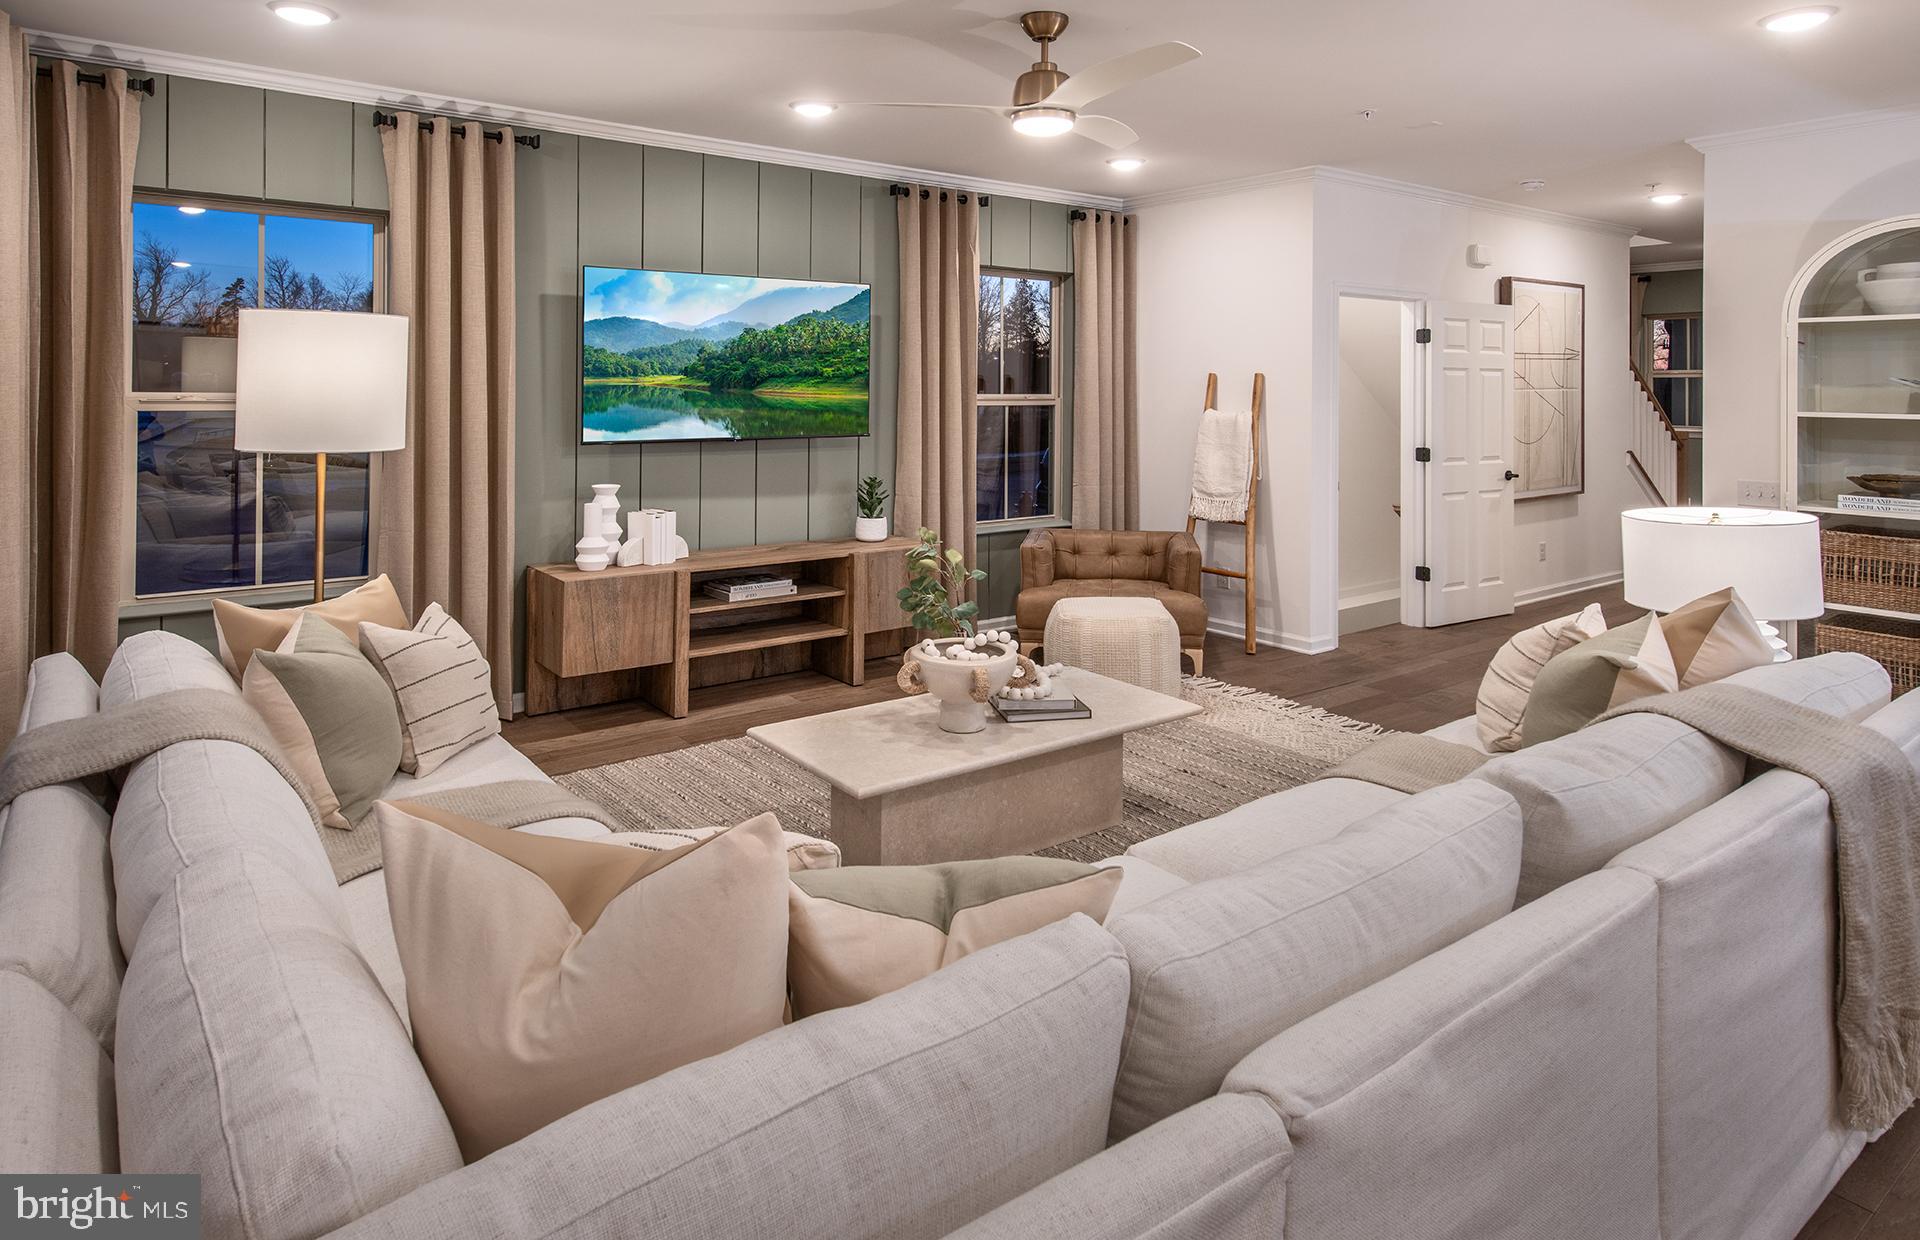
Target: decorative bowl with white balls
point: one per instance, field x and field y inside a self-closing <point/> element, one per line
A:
<point x="963" y="673"/>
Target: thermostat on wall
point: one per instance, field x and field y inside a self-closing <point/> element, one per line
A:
<point x="1479" y="256"/>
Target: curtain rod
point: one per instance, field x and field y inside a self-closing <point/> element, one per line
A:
<point x="901" y="191"/>
<point x="142" y="86"/>
<point x="387" y="120"/>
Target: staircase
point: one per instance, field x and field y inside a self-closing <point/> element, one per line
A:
<point x="1656" y="453"/>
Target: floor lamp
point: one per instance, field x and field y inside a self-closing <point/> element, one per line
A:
<point x="320" y="381"/>
<point x="1770" y="558"/>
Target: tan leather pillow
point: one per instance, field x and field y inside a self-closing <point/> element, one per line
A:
<point x="1713" y="637"/>
<point x="544" y="974"/>
<point x="863" y="930"/>
<point x="1504" y="690"/>
<point x="243" y="630"/>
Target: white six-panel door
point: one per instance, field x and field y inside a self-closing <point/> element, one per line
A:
<point x="1469" y="481"/>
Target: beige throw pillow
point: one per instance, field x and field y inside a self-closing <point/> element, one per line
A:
<point x="1510" y="676"/>
<point x="864" y="930"/>
<point x="443" y="687"/>
<point x="544" y="974"/>
<point x="1713" y="637"/>
<point x="1579" y="685"/>
<point x="242" y="630"/>
<point x="331" y="714"/>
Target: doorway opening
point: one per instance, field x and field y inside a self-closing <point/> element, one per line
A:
<point x="1371" y="387"/>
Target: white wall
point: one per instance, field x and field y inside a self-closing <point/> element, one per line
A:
<point x="1252" y="279"/>
<point x="1370" y="348"/>
<point x="1772" y="201"/>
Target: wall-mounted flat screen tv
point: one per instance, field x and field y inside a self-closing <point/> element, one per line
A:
<point x="670" y="355"/>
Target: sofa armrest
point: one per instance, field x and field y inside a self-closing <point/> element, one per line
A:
<point x="1183" y="562"/>
<point x="1036" y="559"/>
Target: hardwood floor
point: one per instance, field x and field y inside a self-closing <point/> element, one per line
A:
<point x="1401" y="678"/>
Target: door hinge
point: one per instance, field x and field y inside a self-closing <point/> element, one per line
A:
<point x="1423" y="335"/>
<point x="1422" y="573"/>
<point x="1423" y="455"/>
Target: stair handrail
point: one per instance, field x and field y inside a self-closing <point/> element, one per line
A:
<point x="1647" y="389"/>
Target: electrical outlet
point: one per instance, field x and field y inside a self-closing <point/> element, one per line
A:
<point x="1543" y="553"/>
<point x="1760" y="494"/>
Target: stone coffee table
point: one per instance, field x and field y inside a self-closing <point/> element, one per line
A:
<point x="906" y="793"/>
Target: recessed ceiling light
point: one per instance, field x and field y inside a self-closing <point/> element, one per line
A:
<point x="300" y="13"/>
<point x="193" y="210"/>
<point x="1533" y="185"/>
<point x="181" y="262"/>
<point x="1794" y="21"/>
<point x="1662" y="198"/>
<point x="812" y="109"/>
<point x="1126" y="163"/>
<point x="1043" y="122"/>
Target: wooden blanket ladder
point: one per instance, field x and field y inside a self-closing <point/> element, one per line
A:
<point x="1253" y="498"/>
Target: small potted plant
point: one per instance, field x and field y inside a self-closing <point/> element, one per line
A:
<point x="871" y="524"/>
<point x="960" y="668"/>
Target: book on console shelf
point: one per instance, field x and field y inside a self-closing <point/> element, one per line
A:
<point x="1902" y="504"/>
<point x="1036" y="710"/>
<point x="747" y="586"/>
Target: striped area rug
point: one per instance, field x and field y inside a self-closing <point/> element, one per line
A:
<point x="1247" y="745"/>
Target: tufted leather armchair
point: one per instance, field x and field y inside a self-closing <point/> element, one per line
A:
<point x="1156" y="564"/>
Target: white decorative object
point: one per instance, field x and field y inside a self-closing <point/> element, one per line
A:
<point x="590" y="553"/>
<point x="651" y="538"/>
<point x="870" y="529"/>
<point x="607" y="495"/>
<point x="961" y="674"/>
<point x="1671" y="556"/>
<point x="1132" y="639"/>
<point x="1891" y="288"/>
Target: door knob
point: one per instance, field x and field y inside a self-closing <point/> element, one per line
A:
<point x="1511" y="475"/>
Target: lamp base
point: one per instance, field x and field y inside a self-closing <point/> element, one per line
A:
<point x="319" y="527"/>
<point x="1780" y="652"/>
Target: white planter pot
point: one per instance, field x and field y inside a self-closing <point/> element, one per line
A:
<point x="950" y="682"/>
<point x="870" y="529"/>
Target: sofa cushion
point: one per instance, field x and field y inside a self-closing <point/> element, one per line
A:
<point x="1261" y="830"/>
<point x="442" y="685"/>
<point x="863" y="931"/>
<point x="544" y="974"/>
<point x="243" y="630"/>
<point x="1220" y="967"/>
<point x="491" y="761"/>
<point x="1142" y="882"/>
<point x="1502" y="700"/>
<point x="56" y="1092"/>
<point x="900" y="1119"/>
<point x="1588" y="796"/>
<point x="1034" y="604"/>
<point x="258" y="1052"/>
<point x="160" y="662"/>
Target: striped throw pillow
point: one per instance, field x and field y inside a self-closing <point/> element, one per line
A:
<point x="442" y="684"/>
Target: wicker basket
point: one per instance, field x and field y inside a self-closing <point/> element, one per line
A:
<point x="1872" y="568"/>
<point x="1894" y="644"/>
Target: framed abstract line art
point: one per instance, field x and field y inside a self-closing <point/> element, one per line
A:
<point x="1549" y="385"/>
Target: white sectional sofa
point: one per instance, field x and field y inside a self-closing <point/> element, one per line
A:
<point x="1585" y="993"/>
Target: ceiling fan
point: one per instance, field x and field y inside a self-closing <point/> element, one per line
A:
<point x="1048" y="103"/>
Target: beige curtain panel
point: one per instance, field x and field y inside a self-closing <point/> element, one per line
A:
<point x="1106" y="412"/>
<point x="935" y="448"/>
<point x="85" y="138"/>
<point x="446" y="500"/>
<point x="16" y="370"/>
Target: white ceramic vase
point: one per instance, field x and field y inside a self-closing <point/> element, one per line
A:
<point x="607" y="496"/>
<point x="950" y="682"/>
<point x="590" y="553"/>
<point x="870" y="529"/>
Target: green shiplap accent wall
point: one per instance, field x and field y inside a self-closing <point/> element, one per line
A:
<point x="590" y="201"/>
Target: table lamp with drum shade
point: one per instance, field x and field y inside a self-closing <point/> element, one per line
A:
<point x="320" y="381"/>
<point x="1771" y="558"/>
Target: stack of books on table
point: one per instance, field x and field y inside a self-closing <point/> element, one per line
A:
<point x="1905" y="505"/>
<point x="749" y="586"/>
<point x="1035" y="710"/>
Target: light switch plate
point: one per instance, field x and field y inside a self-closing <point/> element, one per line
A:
<point x="1760" y="494"/>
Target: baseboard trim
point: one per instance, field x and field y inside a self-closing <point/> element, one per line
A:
<point x="1541" y="594"/>
<point x="1295" y="642"/>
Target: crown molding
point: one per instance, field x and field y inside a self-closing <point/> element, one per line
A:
<point x="153" y="60"/>
<point x="1385" y="185"/>
<point x="1685" y="264"/>
<point x="1797" y="129"/>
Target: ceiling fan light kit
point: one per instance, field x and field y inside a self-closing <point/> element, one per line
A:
<point x="1043" y="122"/>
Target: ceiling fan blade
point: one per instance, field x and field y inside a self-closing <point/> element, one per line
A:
<point x="1122" y="71"/>
<point x="1105" y="130"/>
<point x="994" y="109"/>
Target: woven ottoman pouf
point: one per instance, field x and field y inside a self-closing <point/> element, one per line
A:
<point x="1130" y="639"/>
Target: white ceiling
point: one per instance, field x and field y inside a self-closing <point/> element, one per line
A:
<point x="1597" y="99"/>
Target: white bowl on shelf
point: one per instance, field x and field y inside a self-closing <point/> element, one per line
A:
<point x="1888" y="290"/>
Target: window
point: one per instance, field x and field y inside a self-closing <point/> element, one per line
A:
<point x="206" y="517"/>
<point x="1017" y="396"/>
<point x="1673" y="366"/>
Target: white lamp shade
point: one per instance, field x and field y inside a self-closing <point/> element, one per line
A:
<point x="1771" y="558"/>
<point x="320" y="381"/>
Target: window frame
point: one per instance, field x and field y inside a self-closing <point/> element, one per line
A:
<point x="133" y="603"/>
<point x="1696" y="373"/>
<point x="1053" y="397"/>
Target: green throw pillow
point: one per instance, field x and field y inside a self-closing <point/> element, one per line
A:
<point x="1580" y="684"/>
<point x="331" y="713"/>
